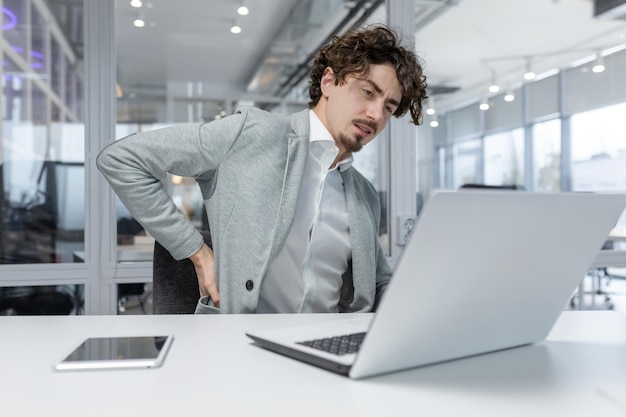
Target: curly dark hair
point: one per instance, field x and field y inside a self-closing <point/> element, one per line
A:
<point x="354" y="52"/>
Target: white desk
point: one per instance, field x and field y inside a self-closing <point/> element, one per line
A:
<point x="213" y="370"/>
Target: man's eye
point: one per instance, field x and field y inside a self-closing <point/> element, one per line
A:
<point x="367" y="92"/>
<point x="389" y="109"/>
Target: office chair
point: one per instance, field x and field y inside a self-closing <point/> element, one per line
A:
<point x="603" y="277"/>
<point x="174" y="283"/>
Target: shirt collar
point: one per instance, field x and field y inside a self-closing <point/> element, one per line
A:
<point x="318" y="133"/>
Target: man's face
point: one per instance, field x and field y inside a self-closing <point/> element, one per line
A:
<point x="356" y="110"/>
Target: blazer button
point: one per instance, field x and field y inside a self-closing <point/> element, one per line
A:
<point x="249" y="285"/>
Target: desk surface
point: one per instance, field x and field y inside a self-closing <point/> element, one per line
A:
<point x="213" y="369"/>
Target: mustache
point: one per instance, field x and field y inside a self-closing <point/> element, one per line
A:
<point x="372" y="125"/>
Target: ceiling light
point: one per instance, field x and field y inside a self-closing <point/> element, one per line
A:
<point x="509" y="96"/>
<point x="434" y="123"/>
<point x="235" y="29"/>
<point x="243" y="10"/>
<point x="139" y="22"/>
<point x="430" y="110"/>
<point x="529" y="74"/>
<point x="136" y="3"/>
<point x="598" y="64"/>
<point x="484" y="104"/>
<point x="493" y="87"/>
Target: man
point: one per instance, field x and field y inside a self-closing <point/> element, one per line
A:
<point x="294" y="227"/>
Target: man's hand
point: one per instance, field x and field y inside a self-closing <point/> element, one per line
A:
<point x="204" y="263"/>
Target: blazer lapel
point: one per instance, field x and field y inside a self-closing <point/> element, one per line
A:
<point x="362" y="235"/>
<point x="298" y="148"/>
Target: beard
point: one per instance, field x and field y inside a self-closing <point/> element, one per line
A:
<point x="355" y="143"/>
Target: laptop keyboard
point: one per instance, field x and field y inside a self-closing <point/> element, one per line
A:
<point x="339" y="345"/>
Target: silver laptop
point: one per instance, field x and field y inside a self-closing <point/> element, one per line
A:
<point x="482" y="271"/>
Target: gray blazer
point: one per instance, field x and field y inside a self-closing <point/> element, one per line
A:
<point x="249" y="167"/>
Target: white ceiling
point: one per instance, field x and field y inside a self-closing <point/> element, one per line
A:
<point x="189" y="40"/>
<point x="464" y="44"/>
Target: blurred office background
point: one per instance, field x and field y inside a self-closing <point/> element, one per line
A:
<point x="523" y="94"/>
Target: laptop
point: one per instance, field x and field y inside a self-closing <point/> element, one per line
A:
<point x="483" y="271"/>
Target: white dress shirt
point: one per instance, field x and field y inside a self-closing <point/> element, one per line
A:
<point x="306" y="275"/>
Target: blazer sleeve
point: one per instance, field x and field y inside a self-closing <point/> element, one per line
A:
<point x="137" y="165"/>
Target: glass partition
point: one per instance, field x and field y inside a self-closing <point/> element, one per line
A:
<point x="467" y="163"/>
<point x="42" y="300"/>
<point x="599" y="150"/>
<point x="599" y="153"/>
<point x="504" y="158"/>
<point x="547" y="155"/>
<point x="42" y="156"/>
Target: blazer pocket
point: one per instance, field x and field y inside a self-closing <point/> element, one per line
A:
<point x="205" y="306"/>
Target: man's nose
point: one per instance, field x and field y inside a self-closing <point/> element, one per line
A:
<point x="375" y="111"/>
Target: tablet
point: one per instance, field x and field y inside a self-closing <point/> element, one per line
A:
<point x="117" y="353"/>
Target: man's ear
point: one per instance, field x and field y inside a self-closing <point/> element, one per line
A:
<point x="328" y="80"/>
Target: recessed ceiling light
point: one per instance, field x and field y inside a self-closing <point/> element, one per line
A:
<point x="136" y="3"/>
<point x="139" y="23"/>
<point x="598" y="64"/>
<point x="235" y="29"/>
<point x="529" y="75"/>
<point x="243" y="10"/>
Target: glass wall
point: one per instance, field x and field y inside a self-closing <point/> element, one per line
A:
<point x="467" y="163"/>
<point x="547" y="155"/>
<point x="599" y="150"/>
<point x="42" y="152"/>
<point x="42" y="198"/>
<point x="42" y="300"/>
<point x="504" y="158"/>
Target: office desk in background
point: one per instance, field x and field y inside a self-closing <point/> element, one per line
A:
<point x="140" y="250"/>
<point x="213" y="369"/>
<point x="615" y="255"/>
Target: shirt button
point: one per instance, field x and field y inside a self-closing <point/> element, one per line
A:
<point x="249" y="285"/>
